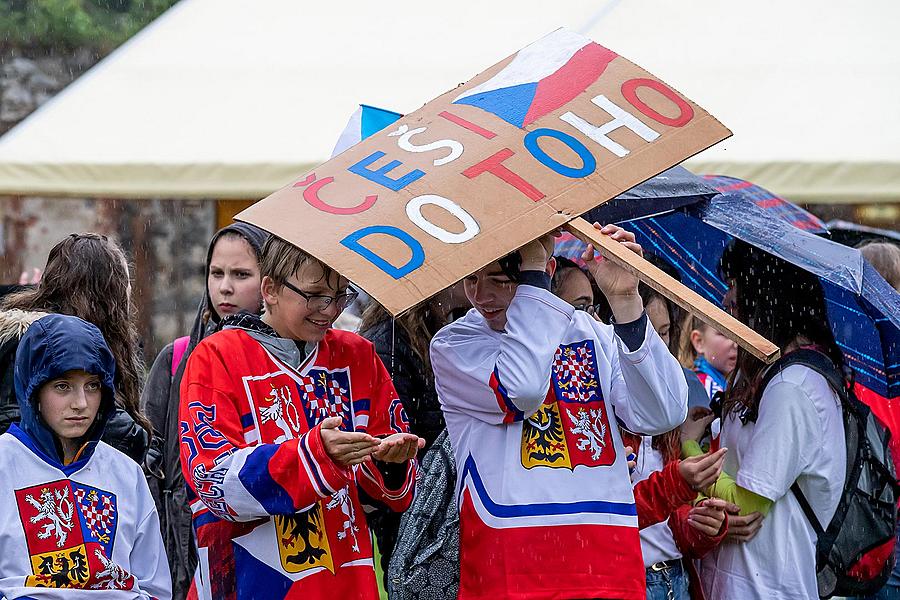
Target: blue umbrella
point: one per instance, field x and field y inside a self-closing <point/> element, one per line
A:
<point x="673" y="188"/>
<point x="863" y="310"/>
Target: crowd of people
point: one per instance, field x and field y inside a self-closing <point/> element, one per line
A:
<point x="546" y="428"/>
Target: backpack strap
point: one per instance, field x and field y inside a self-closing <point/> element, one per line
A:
<point x="179" y="346"/>
<point x="822" y="365"/>
<point x="812" y="359"/>
<point x="807" y="510"/>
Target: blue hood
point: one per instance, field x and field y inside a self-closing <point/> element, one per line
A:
<point x="52" y="346"/>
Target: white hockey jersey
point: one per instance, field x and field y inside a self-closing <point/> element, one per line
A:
<point x="75" y="531"/>
<point x="546" y="504"/>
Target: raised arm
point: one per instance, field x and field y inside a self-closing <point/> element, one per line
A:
<point x="648" y="388"/>
<point x="505" y="379"/>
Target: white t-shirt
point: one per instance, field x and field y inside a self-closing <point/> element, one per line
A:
<point x="657" y="541"/>
<point x="799" y="435"/>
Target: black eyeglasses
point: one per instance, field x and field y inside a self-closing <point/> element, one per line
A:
<point x="319" y="302"/>
<point x="590" y="309"/>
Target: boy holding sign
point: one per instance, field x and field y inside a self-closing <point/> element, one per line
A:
<point x="528" y="386"/>
<point x="287" y="428"/>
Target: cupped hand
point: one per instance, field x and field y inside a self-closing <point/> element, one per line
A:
<point x="346" y="448"/>
<point x="398" y="448"/>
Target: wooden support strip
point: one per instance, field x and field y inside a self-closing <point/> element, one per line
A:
<point x="675" y="291"/>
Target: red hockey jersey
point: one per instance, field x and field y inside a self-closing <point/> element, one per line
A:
<point x="275" y="517"/>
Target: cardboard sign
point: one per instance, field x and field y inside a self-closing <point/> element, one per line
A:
<point x="536" y="140"/>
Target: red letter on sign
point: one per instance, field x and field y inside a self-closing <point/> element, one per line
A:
<point x="311" y="195"/>
<point x="630" y="88"/>
<point x="494" y="165"/>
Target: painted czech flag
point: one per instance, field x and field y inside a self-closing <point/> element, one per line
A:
<point x="540" y="78"/>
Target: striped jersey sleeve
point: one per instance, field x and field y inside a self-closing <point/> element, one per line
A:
<point x="239" y="480"/>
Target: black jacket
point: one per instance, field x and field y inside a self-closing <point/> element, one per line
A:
<point x="415" y="388"/>
<point x="121" y="432"/>
<point x="414" y="385"/>
<point x="160" y="401"/>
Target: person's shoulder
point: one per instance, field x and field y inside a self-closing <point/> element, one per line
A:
<point x="804" y="382"/>
<point x="223" y="338"/>
<point x="347" y="341"/>
<point x="164" y="358"/>
<point x="114" y="460"/>
<point x="801" y="376"/>
<point x="471" y="325"/>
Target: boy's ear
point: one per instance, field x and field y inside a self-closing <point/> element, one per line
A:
<point x="268" y="289"/>
<point x="551" y="266"/>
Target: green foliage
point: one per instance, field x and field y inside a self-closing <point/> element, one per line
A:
<point x="59" y="26"/>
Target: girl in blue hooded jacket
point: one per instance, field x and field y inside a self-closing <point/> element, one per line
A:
<point x="75" y="514"/>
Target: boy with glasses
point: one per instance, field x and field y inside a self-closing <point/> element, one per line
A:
<point x="288" y="428"/>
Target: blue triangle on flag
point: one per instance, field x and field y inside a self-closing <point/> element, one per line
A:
<point x="510" y="103"/>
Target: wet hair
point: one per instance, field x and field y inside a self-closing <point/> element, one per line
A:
<point x="250" y="235"/>
<point x="778" y="300"/>
<point x="281" y="260"/>
<point x="563" y="267"/>
<point x="686" y="352"/>
<point x="87" y="277"/>
<point x="885" y="257"/>
<point x="511" y="265"/>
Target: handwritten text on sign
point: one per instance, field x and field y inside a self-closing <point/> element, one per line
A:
<point x="558" y="129"/>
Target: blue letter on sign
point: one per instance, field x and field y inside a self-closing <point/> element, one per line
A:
<point x="380" y="176"/>
<point x="589" y="163"/>
<point x="415" y="261"/>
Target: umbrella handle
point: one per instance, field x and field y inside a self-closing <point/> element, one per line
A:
<point x="674" y="290"/>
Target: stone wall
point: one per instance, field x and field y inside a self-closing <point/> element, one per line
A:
<point x="26" y="82"/>
<point x="165" y="239"/>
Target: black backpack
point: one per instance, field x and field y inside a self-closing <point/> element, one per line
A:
<point x="855" y="552"/>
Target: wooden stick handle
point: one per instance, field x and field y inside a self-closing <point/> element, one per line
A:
<point x="675" y="291"/>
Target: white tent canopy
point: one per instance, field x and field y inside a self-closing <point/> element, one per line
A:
<point x="232" y="98"/>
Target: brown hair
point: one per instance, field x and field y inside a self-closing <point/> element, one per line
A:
<point x="87" y="276"/>
<point x="885" y="257"/>
<point x="280" y="260"/>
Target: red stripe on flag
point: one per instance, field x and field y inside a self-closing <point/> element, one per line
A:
<point x="468" y="125"/>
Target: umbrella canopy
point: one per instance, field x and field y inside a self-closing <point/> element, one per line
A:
<point x="863" y="310"/>
<point x="775" y="205"/>
<point x="671" y="189"/>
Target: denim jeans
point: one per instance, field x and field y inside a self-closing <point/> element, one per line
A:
<point x="668" y="584"/>
<point x="888" y="592"/>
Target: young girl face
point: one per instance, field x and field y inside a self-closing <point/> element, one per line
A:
<point x="233" y="280"/>
<point x="69" y="405"/>
<point x="658" y="313"/>
<point x="720" y="351"/>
